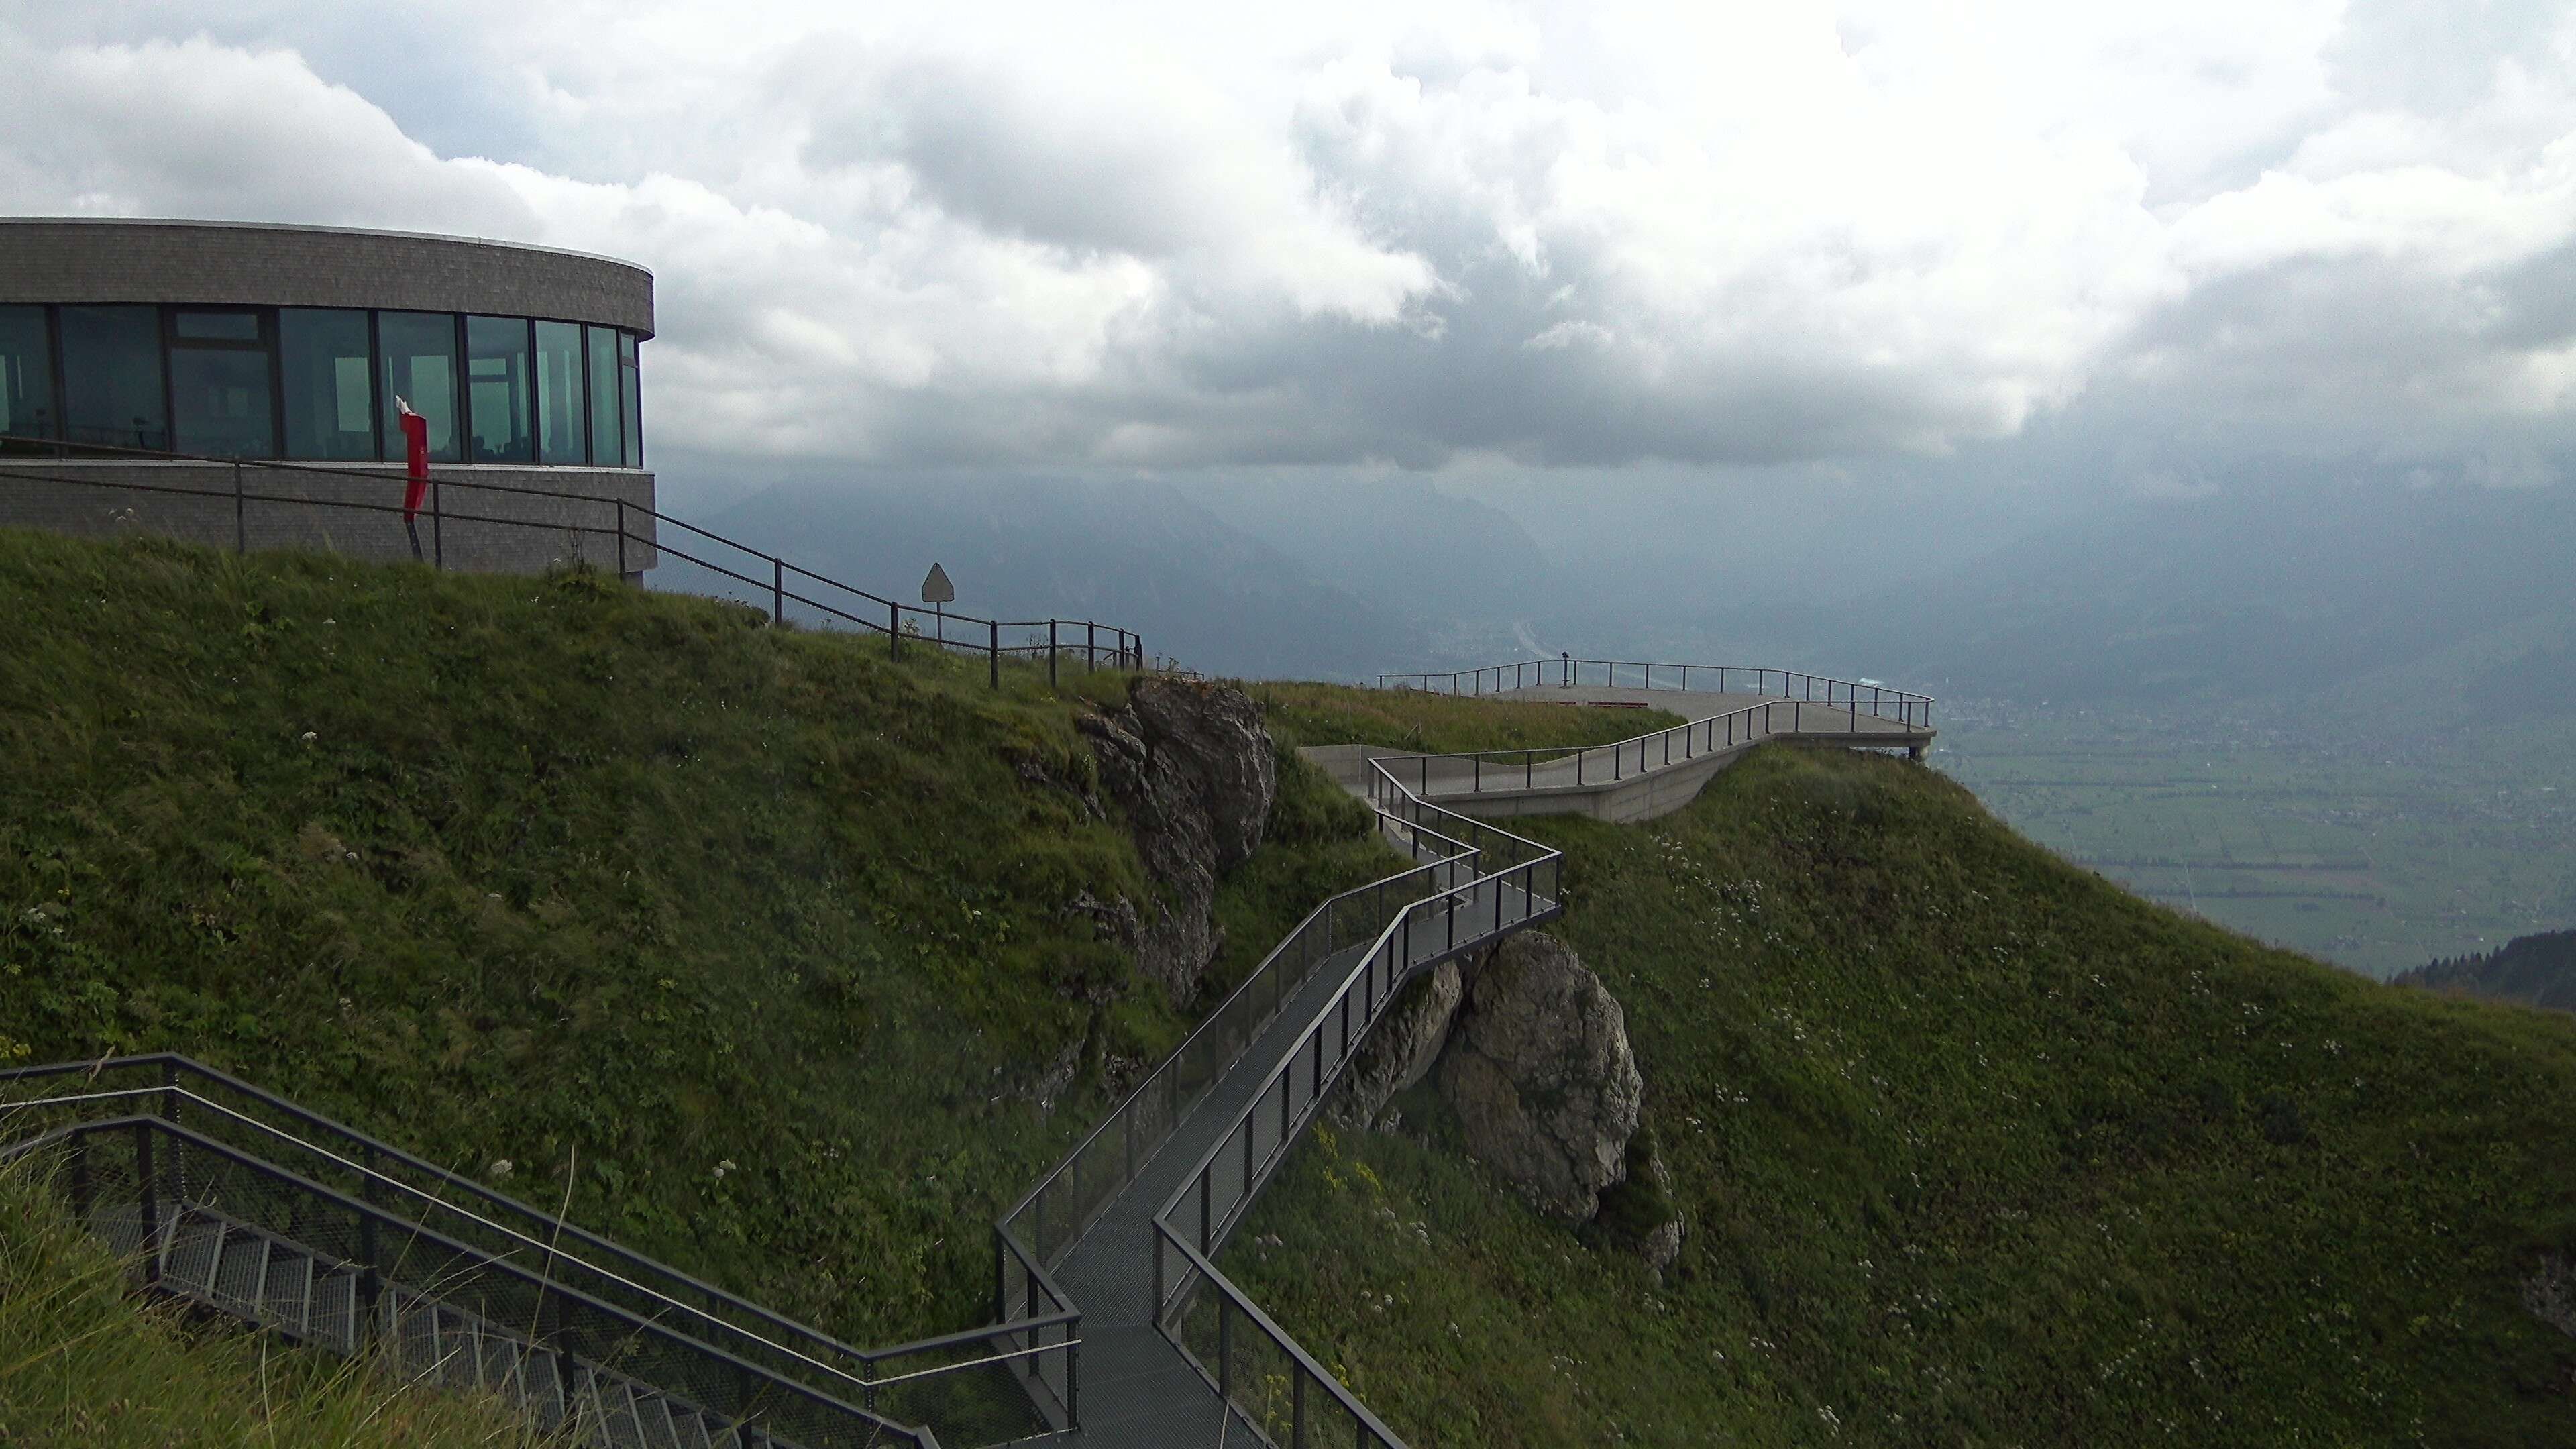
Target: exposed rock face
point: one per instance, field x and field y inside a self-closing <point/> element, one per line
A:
<point x="1194" y="768"/>
<point x="1542" y="1077"/>
<point x="1402" y="1048"/>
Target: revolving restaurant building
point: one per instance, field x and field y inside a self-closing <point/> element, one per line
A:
<point x="216" y="342"/>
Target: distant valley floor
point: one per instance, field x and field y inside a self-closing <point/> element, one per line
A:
<point x="2374" y="847"/>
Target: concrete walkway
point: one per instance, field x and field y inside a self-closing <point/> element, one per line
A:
<point x="1641" y="779"/>
<point x="1138" y="1392"/>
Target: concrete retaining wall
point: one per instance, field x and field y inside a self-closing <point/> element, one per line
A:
<point x="535" y="533"/>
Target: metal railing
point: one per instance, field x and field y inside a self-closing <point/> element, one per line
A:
<point x="1568" y="672"/>
<point x="974" y="1386"/>
<point x="1046" y="1223"/>
<point x="1256" y="1365"/>
<point x="1476" y="772"/>
<point x="167" y="1168"/>
<point x="602" y="531"/>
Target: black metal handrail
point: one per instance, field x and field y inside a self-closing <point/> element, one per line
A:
<point x="1108" y="1157"/>
<point x="391" y="1247"/>
<point x="505" y="1225"/>
<point x="1091" y="641"/>
<point x="1567" y="672"/>
<point x="1680" y="744"/>
<point x="1193" y="1224"/>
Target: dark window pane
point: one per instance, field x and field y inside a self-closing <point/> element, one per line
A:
<point x="630" y="396"/>
<point x="26" y="375"/>
<point x="330" y="398"/>
<point x="496" y="363"/>
<point x="216" y="326"/>
<point x="220" y="399"/>
<point x="563" y="424"/>
<point x="112" y="377"/>
<point x="604" y="435"/>
<point x="419" y="360"/>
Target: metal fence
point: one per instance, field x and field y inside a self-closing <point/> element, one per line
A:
<point x="1045" y="1224"/>
<point x="1279" y="1388"/>
<point x="605" y="532"/>
<point x="1904" y="723"/>
<point x="980" y="1386"/>
<point x="1571" y="673"/>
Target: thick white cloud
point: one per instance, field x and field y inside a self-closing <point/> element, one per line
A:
<point x="1750" y="233"/>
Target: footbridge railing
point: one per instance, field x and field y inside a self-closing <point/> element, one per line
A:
<point x="232" y="499"/>
<point x="1510" y="883"/>
<point x="169" y="1132"/>
<point x="1568" y="672"/>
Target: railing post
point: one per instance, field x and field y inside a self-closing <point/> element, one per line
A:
<point x="437" y="525"/>
<point x="778" y="591"/>
<point x="1050" y="653"/>
<point x="241" y="530"/>
<point x="993" y="648"/>
<point x="1225" y="1356"/>
<point x="894" y="630"/>
<point x="1297" y="1413"/>
<point x="149" y="1182"/>
<point x="1090" y="644"/>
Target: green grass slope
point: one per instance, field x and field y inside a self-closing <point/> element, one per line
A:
<point x="83" y="1366"/>
<point x="748" y="945"/>
<point x="1975" y="1149"/>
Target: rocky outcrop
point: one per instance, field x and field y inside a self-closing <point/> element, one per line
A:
<point x="1402" y="1048"/>
<point x="1194" y="770"/>
<point x="1541" y="1075"/>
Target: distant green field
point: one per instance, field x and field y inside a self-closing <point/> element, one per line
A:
<point x="2369" y="844"/>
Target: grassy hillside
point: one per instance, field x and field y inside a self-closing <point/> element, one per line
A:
<point x="749" y="944"/>
<point x="84" y="1367"/>
<point x="1975" y="1149"/>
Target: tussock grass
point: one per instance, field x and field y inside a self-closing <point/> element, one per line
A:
<point x="84" y="1364"/>
<point x="751" y="944"/>
<point x="1975" y="1149"/>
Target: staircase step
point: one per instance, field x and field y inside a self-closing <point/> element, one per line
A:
<point x="541" y="1389"/>
<point x="460" y="1351"/>
<point x="500" y="1364"/>
<point x="411" y="1324"/>
<point x="625" y="1428"/>
<point x="692" y="1428"/>
<point x="653" y="1416"/>
<point x="589" y="1408"/>
<point x="335" y="1311"/>
<point x="189" y="1266"/>
<point x="286" y="1296"/>
<point x="120" y="1226"/>
<point x="239" y="1272"/>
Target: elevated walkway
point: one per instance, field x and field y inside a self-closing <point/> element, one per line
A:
<point x="1647" y="775"/>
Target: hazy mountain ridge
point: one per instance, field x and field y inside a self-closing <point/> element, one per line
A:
<point x="1145" y="556"/>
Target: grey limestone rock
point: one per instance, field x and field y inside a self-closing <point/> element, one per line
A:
<point x="1402" y="1048"/>
<point x="1541" y="1075"/>
<point x="1193" y="768"/>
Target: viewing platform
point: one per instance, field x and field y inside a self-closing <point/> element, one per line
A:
<point x="1647" y="775"/>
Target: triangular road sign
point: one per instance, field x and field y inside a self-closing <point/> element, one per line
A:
<point x="936" y="589"/>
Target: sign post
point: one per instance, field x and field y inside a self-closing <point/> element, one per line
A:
<point x="936" y="591"/>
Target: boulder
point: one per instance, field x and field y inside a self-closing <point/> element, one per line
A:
<point x="1402" y="1048"/>
<point x="1540" y="1073"/>
<point x="1194" y="770"/>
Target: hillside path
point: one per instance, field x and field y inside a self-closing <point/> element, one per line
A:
<point x="1138" y="1392"/>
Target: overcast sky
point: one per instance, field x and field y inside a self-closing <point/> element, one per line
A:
<point x="2140" y="243"/>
